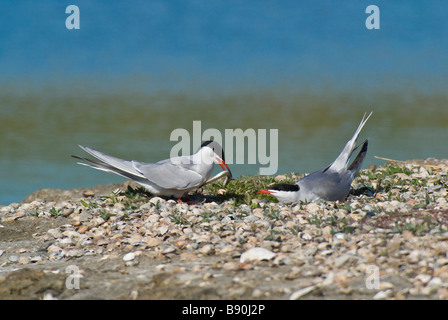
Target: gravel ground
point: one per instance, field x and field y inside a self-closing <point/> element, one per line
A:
<point x="389" y="240"/>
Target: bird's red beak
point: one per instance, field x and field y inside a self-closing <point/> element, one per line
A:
<point x="265" y="191"/>
<point x="223" y="165"/>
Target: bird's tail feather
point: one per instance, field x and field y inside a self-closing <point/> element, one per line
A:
<point x="110" y="164"/>
<point x="357" y="163"/>
<point x="342" y="160"/>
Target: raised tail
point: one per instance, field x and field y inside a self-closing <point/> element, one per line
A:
<point x="357" y="163"/>
<point x="342" y="160"/>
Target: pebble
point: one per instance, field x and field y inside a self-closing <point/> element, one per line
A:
<point x="306" y="236"/>
<point x="67" y="212"/>
<point x="435" y="283"/>
<point x="280" y="177"/>
<point x="48" y="296"/>
<point x="340" y="236"/>
<point x="162" y="230"/>
<point x="313" y="208"/>
<point x="152" y="242"/>
<point x="73" y="253"/>
<point x="129" y="256"/>
<point x="35" y="259"/>
<point x="207" y="250"/>
<point x="342" y="260"/>
<point x="257" y="294"/>
<point x="231" y="265"/>
<point x="384" y="285"/>
<point x="13" y="258"/>
<point x="133" y="295"/>
<point x="168" y="249"/>
<point x="157" y="200"/>
<point x="258" y="254"/>
<point x="302" y="292"/>
<point x="88" y="193"/>
<point x="23" y="260"/>
<point x="83" y="229"/>
<point x="53" y="248"/>
<point x="381" y="295"/>
<point x="424" y="278"/>
<point x="85" y="217"/>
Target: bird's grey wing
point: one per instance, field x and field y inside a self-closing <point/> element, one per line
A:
<point x="163" y="173"/>
<point x="325" y="185"/>
<point x="169" y="176"/>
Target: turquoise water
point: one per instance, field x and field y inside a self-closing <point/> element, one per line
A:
<point x="133" y="73"/>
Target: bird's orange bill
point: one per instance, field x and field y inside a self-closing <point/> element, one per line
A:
<point x="223" y="165"/>
<point x="265" y="191"/>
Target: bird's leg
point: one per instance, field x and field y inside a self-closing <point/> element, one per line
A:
<point x="179" y="200"/>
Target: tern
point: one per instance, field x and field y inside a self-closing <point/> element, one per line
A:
<point x="171" y="177"/>
<point x="329" y="184"/>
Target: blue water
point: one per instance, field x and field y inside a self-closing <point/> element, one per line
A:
<point x="179" y="44"/>
<point x="136" y="71"/>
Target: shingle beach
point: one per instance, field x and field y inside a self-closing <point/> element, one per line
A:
<point x="389" y="240"/>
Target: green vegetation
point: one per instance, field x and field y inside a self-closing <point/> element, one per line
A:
<point x="178" y="218"/>
<point x="245" y="188"/>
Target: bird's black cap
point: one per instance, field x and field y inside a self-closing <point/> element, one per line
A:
<point x="216" y="148"/>
<point x="285" y="187"/>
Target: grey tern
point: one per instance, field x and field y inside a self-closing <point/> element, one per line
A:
<point x="329" y="184"/>
<point x="171" y="177"/>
